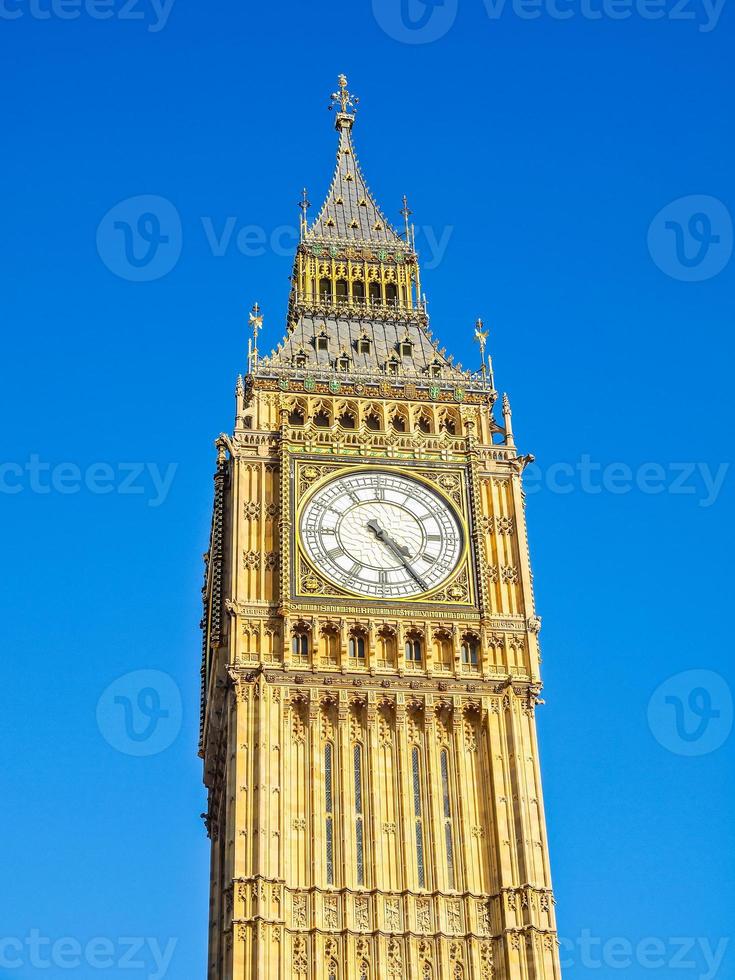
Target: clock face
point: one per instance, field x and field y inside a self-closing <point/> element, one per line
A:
<point x="382" y="535"/>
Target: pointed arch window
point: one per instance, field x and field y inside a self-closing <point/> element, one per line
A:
<point x="375" y="293"/>
<point x="300" y="644"/>
<point x="358" y="291"/>
<point x="470" y="651"/>
<point x="414" y="650"/>
<point x="342" y="291"/>
<point x="325" y="290"/>
<point x="391" y="294"/>
<point x="357" y="647"/>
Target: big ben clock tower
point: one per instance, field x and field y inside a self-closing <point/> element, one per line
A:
<point x="370" y="661"/>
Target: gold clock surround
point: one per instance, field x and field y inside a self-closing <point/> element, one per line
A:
<point x="333" y="589"/>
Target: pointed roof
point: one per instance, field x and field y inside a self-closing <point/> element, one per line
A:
<point x="350" y="212"/>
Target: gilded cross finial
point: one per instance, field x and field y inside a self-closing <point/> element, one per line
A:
<point x="343" y="98"/>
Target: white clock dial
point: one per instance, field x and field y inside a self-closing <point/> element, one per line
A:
<point x="382" y="535"/>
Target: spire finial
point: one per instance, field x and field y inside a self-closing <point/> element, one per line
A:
<point x="343" y="99"/>
<point x="481" y="336"/>
<point x="304" y="205"/>
<point x="406" y="212"/>
<point x="255" y="320"/>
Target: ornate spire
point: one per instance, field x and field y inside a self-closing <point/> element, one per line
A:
<point x="350" y="213"/>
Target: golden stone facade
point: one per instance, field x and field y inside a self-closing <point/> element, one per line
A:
<point x="368" y="734"/>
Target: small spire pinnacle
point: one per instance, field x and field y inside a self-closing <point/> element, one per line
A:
<point x="255" y="320"/>
<point x="304" y="205"/>
<point x="481" y="336"/>
<point x="406" y="212"/>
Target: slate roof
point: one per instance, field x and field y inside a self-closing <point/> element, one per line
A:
<point x="343" y="335"/>
<point x="350" y="213"/>
<point x="348" y="216"/>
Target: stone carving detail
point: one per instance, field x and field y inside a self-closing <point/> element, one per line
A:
<point x="251" y="559"/>
<point x="331" y="917"/>
<point x="299" y="911"/>
<point x="272" y="561"/>
<point x="395" y="958"/>
<point x="509" y="573"/>
<point x="298" y="722"/>
<point x="504" y="525"/>
<point x="454" y="917"/>
<point x="392" y="914"/>
<point x="487" y="966"/>
<point x="362" y="916"/>
<point x="300" y="957"/>
<point x="470" y="735"/>
<point x="251" y="510"/>
<point x="485" y="524"/>
<point x="483" y="918"/>
<point x="423" y="915"/>
<point x="492" y="574"/>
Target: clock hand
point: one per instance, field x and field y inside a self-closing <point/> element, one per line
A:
<point x="400" y="551"/>
<point x="381" y="535"/>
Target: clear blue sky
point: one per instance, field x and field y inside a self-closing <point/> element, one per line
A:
<point x="544" y="149"/>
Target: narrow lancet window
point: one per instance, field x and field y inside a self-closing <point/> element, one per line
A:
<point x="419" y="819"/>
<point x="447" y="812"/>
<point x="329" y="808"/>
<point x="359" y="817"/>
